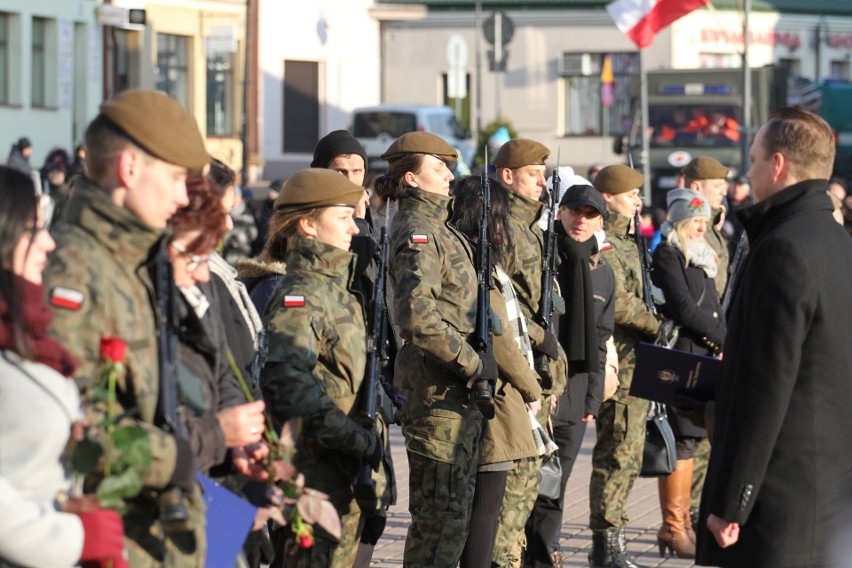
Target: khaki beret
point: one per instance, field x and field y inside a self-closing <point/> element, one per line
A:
<point x="160" y="126"/>
<point x="705" y="167"/>
<point x="317" y="187"/>
<point x="420" y="143"/>
<point x="520" y="152"/>
<point x="617" y="179"/>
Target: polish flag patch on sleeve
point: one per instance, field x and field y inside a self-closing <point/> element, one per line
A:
<point x="294" y="301"/>
<point x="605" y="246"/>
<point x="420" y="239"/>
<point x="66" y="298"/>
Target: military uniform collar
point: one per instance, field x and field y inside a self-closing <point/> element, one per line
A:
<point x="617" y="225"/>
<point x="524" y="208"/>
<point x="427" y="202"/>
<point x="114" y="227"/>
<point x="312" y="255"/>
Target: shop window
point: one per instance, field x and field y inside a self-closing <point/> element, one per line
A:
<point x="172" y="67"/>
<point x="595" y="106"/>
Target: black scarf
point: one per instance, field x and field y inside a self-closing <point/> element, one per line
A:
<point x="579" y="336"/>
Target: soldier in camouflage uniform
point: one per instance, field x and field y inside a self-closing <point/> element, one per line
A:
<point x="140" y="149"/>
<point x="520" y="168"/>
<point x="433" y="278"/>
<point x="316" y="356"/>
<point x="617" y="456"/>
<point x="708" y="176"/>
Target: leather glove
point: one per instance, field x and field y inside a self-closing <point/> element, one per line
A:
<point x="394" y="394"/>
<point x="549" y="346"/>
<point x="668" y="333"/>
<point x="103" y="538"/>
<point x="487" y="369"/>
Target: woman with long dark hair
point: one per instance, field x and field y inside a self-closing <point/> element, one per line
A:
<point x="508" y="436"/>
<point x="432" y="274"/>
<point x="39" y="404"/>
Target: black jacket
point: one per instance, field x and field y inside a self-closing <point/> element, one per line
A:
<point x="782" y="456"/>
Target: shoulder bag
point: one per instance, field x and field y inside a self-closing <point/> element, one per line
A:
<point x="659" y="457"/>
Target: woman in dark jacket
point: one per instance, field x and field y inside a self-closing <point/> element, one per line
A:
<point x="684" y="269"/>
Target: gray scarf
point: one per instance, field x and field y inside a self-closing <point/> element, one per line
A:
<point x="700" y="253"/>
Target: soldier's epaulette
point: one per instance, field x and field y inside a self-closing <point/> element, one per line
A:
<point x="293" y="302"/>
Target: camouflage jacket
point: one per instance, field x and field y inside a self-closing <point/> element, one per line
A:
<point x="315" y="364"/>
<point x="633" y="321"/>
<point x="719" y="243"/>
<point x="433" y="278"/>
<point x="524" y="263"/>
<point x="98" y="282"/>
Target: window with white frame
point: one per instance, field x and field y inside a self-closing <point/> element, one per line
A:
<point x="595" y="106"/>
<point x="38" y="63"/>
<point x="220" y="94"/>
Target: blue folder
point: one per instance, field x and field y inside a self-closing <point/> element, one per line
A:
<point x="229" y="521"/>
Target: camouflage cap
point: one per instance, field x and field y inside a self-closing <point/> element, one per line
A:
<point x="521" y="152"/>
<point x="317" y="187"/>
<point x="705" y="167"/>
<point x="420" y="143"/>
<point x="160" y="126"/>
<point x="618" y="178"/>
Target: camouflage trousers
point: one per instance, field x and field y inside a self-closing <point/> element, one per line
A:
<point x="699" y="472"/>
<point x="327" y="552"/>
<point x="518" y="503"/>
<point x="440" y="501"/>
<point x="616" y="458"/>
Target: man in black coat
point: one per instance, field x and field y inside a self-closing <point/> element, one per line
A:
<point x="781" y="461"/>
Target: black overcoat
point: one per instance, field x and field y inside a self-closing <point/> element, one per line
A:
<point x="782" y="451"/>
<point x="702" y="326"/>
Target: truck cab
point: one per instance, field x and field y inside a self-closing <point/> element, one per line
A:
<point x="696" y="112"/>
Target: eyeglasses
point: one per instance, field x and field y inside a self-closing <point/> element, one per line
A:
<point x="195" y="261"/>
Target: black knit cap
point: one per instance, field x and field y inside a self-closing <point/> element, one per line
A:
<point x="335" y="144"/>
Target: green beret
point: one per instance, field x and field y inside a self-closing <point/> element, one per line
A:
<point x="159" y="125"/>
<point x="317" y="187"/>
<point x="420" y="143"/>
<point x="617" y="179"/>
<point x="705" y="167"/>
<point x="521" y="152"/>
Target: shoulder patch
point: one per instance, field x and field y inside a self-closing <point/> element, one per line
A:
<point x="605" y="246"/>
<point x="293" y="302"/>
<point x="66" y="298"/>
<point x="419" y="239"/>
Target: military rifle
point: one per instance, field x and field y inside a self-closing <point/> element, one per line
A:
<point x="482" y="391"/>
<point x="365" y="486"/>
<point x="173" y="513"/>
<point x="645" y="265"/>
<point x="739" y="255"/>
<point x="544" y="317"/>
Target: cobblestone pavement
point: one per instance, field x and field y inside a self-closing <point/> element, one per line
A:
<point x="643" y="508"/>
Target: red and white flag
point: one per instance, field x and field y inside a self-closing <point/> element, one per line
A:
<point x="640" y="20"/>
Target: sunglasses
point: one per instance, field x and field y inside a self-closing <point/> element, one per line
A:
<point x="195" y="261"/>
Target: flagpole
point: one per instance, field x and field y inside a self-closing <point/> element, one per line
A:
<point x="745" y="137"/>
<point x="646" y="147"/>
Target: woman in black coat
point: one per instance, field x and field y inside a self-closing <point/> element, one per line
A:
<point x="684" y="269"/>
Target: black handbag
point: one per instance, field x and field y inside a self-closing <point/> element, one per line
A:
<point x="551" y="477"/>
<point x="658" y="457"/>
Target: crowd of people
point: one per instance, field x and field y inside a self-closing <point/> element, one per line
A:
<point x="144" y="349"/>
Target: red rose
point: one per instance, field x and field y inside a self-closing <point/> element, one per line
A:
<point x="113" y="349"/>
<point x="306" y="540"/>
<point x="696" y="202"/>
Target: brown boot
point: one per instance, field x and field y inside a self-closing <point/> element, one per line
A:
<point x="676" y="534"/>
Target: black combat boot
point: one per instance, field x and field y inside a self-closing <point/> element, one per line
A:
<point x="626" y="560"/>
<point x="609" y="550"/>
